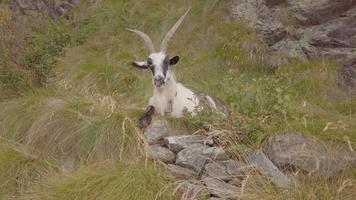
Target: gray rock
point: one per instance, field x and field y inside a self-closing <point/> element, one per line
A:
<point x="235" y="168"/>
<point x="155" y="133"/>
<point x="306" y="153"/>
<point x="221" y="189"/>
<point x="215" y="153"/>
<point x="311" y="12"/>
<point x="268" y="169"/>
<point x="192" y="157"/>
<point x="189" y="190"/>
<point x="304" y="29"/>
<point x="177" y="143"/>
<point x="214" y="198"/>
<point x="260" y="18"/>
<point x="162" y="153"/>
<point x="217" y="170"/>
<point x="182" y="172"/>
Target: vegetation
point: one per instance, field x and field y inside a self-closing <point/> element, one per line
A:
<point x="71" y="93"/>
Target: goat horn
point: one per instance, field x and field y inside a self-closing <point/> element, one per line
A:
<point x="146" y="39"/>
<point x="170" y="33"/>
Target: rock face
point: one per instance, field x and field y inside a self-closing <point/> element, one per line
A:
<point x="306" y="153"/>
<point x="305" y="28"/>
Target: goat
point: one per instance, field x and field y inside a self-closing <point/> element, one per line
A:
<point x="169" y="96"/>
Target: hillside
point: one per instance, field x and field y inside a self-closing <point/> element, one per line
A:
<point x="70" y="100"/>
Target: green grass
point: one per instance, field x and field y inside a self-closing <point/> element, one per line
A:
<point x="89" y="107"/>
<point x="120" y="181"/>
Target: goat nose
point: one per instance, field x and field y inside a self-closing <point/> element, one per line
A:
<point x="159" y="78"/>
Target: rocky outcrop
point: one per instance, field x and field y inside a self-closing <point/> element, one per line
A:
<point x="305" y="29"/>
<point x="305" y="153"/>
<point x="204" y="168"/>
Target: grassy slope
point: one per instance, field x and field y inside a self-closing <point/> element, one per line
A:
<point x="88" y="111"/>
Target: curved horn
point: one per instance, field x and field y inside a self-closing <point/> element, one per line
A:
<point x="170" y="33"/>
<point x="146" y="39"/>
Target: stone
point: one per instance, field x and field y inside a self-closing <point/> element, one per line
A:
<point x="215" y="153"/>
<point x="192" y="157"/>
<point x="189" y="190"/>
<point x="155" y="133"/>
<point x="181" y="172"/>
<point x="221" y="189"/>
<point x="235" y="168"/>
<point x="306" y="153"/>
<point x="218" y="171"/>
<point x="162" y="153"/>
<point x="177" y="143"/>
<point x="214" y="198"/>
<point x="259" y="17"/>
<point x="312" y="12"/>
<point x="267" y="168"/>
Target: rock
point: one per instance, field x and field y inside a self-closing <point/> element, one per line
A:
<point x="268" y="169"/>
<point x="214" y="198"/>
<point x="182" y="172"/>
<point x="312" y="12"/>
<point x="215" y="153"/>
<point x="55" y="8"/>
<point x="235" y="168"/>
<point x="306" y="153"/>
<point x="349" y="74"/>
<point x="162" y="153"/>
<point x="221" y="189"/>
<point x="218" y="171"/>
<point x="155" y="133"/>
<point x="192" y="157"/>
<point x="303" y="29"/>
<point x="236" y="182"/>
<point x="189" y="190"/>
<point x="177" y="143"/>
<point x="259" y="17"/>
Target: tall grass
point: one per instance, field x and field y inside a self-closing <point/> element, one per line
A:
<point x="86" y="114"/>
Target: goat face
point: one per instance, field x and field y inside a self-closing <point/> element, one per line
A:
<point x="159" y="64"/>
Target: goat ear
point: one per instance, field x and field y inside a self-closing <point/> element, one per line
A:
<point x="174" y="60"/>
<point x="140" y="64"/>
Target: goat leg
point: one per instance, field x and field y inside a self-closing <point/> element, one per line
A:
<point x="146" y="118"/>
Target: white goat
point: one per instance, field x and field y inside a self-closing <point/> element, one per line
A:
<point x="169" y="96"/>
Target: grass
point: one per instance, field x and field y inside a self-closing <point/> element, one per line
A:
<point x="88" y="109"/>
<point x="114" y="181"/>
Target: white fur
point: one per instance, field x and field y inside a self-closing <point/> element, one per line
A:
<point x="172" y="97"/>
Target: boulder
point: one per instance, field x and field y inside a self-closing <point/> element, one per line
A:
<point x="162" y="153"/>
<point x="306" y="153"/>
<point x="155" y="133"/>
<point x="221" y="189"/>
<point x="267" y="168"/>
<point x="217" y="170"/>
<point x="177" y="143"/>
<point x="181" y="172"/>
